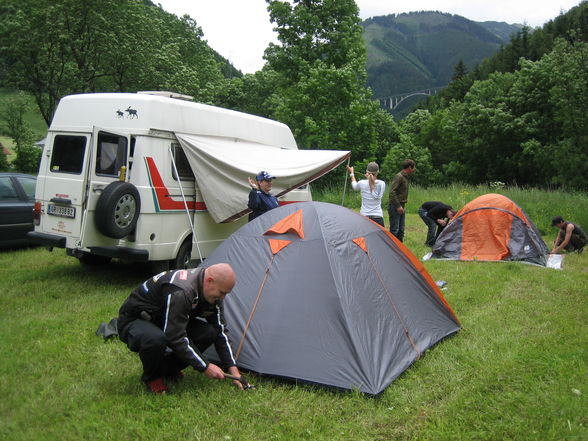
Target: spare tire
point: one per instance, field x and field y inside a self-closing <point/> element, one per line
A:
<point x="117" y="209"/>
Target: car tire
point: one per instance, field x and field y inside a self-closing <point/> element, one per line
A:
<point x="117" y="209"/>
<point x="182" y="260"/>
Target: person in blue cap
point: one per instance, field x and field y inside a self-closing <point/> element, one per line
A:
<point x="260" y="199"/>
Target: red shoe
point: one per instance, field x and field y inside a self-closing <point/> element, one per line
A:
<point x="157" y="386"/>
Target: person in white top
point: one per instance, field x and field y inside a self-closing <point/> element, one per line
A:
<point x="372" y="190"/>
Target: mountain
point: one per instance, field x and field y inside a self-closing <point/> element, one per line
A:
<point x="419" y="50"/>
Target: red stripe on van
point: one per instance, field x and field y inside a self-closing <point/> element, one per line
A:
<point x="161" y="195"/>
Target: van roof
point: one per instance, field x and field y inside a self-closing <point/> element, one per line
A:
<point x="139" y="113"/>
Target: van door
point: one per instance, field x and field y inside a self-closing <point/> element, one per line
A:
<point x="63" y="186"/>
<point x="109" y="212"/>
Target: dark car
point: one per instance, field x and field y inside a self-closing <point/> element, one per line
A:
<point x="17" y="198"/>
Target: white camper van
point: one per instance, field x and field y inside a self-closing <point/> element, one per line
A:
<point x="155" y="178"/>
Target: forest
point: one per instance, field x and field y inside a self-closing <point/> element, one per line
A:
<point x="518" y="117"/>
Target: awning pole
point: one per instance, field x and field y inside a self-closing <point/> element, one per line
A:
<point x="345" y="186"/>
<point x="186" y="203"/>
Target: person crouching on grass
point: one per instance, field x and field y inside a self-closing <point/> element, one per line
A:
<point x="172" y="318"/>
<point x="372" y="189"/>
<point x="570" y="237"/>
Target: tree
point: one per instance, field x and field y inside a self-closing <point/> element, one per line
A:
<point x="407" y="149"/>
<point x="461" y="82"/>
<point x="16" y="127"/>
<point x="56" y="48"/>
<point x="320" y="84"/>
<point x="251" y="93"/>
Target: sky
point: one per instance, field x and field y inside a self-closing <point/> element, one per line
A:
<point x="240" y="30"/>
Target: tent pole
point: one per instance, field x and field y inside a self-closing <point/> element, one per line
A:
<point x="186" y="203"/>
<point x="345" y="185"/>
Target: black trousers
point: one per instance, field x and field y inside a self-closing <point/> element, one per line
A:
<point x="148" y="340"/>
<point x="378" y="219"/>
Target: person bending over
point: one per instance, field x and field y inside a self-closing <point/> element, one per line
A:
<point x="435" y="215"/>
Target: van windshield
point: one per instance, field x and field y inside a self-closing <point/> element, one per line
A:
<point x="68" y="154"/>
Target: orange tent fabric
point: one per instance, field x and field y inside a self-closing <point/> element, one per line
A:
<point x="292" y="223"/>
<point x="491" y="227"/>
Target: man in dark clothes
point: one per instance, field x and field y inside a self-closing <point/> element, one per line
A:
<point x="570" y="236"/>
<point x="172" y="318"/>
<point x="260" y="199"/>
<point x="435" y="215"/>
<point x="398" y="198"/>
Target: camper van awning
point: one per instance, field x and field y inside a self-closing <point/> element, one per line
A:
<point x="222" y="165"/>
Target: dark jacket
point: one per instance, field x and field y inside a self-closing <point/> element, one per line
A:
<point x="436" y="210"/>
<point x="398" y="191"/>
<point x="260" y="202"/>
<point x="170" y="300"/>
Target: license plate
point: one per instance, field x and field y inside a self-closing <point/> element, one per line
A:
<point x="59" y="210"/>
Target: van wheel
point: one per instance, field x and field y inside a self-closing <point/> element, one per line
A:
<point x="118" y="209"/>
<point x="182" y="260"/>
<point x="93" y="259"/>
<point x="159" y="266"/>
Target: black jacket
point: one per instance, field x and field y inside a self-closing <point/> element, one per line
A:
<point x="436" y="210"/>
<point x="170" y="300"/>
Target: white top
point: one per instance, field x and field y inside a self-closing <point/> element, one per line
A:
<point x="371" y="201"/>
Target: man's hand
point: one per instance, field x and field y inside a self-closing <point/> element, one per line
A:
<point x="235" y="372"/>
<point x="441" y="222"/>
<point x="252" y="183"/>
<point x="214" y="372"/>
<point x="400" y="210"/>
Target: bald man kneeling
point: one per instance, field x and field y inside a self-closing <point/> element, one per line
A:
<point x="172" y="318"/>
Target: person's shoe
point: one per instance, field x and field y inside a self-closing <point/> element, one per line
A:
<point x="157" y="386"/>
<point x="178" y="376"/>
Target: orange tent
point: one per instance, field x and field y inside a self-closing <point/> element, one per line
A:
<point x="491" y="227"/>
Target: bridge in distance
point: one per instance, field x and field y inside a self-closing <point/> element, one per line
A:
<point x="392" y="102"/>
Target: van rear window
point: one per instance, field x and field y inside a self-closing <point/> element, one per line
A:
<point x="68" y="154"/>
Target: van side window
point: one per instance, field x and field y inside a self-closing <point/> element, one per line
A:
<point x="182" y="164"/>
<point x="68" y="154"/>
<point x="111" y="154"/>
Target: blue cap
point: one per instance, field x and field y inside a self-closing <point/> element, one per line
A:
<point x="264" y="176"/>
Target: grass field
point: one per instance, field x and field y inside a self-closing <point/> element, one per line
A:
<point x="518" y="370"/>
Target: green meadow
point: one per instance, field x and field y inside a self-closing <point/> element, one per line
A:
<point x="517" y="370"/>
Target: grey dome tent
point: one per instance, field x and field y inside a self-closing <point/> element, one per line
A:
<point x="325" y="295"/>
